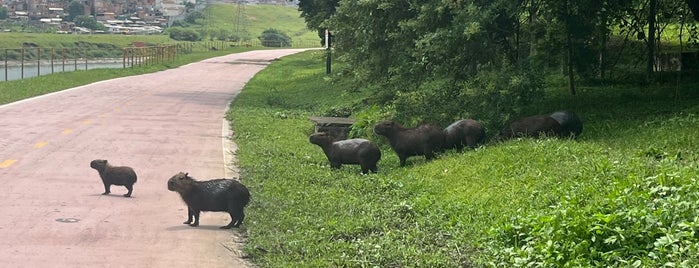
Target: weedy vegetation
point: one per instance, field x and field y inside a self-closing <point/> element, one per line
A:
<point x="624" y="194"/>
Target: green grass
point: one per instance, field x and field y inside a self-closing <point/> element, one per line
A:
<point x="624" y="193"/>
<point x="258" y="18"/>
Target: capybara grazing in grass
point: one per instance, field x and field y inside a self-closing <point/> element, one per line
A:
<point x="360" y="152"/>
<point x="213" y="195"/>
<point x="464" y="133"/>
<point x="571" y="125"/>
<point x="532" y="126"/>
<point x="114" y="175"/>
<point x="425" y="139"/>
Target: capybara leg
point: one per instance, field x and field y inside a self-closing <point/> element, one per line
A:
<point x="196" y="219"/>
<point x="335" y="165"/>
<point x="241" y="217"/>
<point x="365" y="169"/>
<point x="190" y="215"/>
<point x="106" y="188"/>
<point x="130" y="188"/>
<point x="402" y="160"/>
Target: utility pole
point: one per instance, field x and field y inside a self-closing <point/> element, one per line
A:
<point x="240" y="19"/>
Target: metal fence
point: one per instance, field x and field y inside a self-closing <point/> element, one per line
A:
<point x="27" y="62"/>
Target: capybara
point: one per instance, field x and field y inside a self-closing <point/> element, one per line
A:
<point x="352" y="152"/>
<point x="571" y="125"/>
<point x="213" y="195"/>
<point x="532" y="126"/>
<point x="114" y="175"/>
<point x="464" y="133"/>
<point x="425" y="139"/>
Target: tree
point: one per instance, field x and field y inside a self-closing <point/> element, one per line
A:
<point x="88" y="22"/>
<point x="75" y="8"/>
<point x="193" y="16"/>
<point x="3" y="13"/>
<point x="316" y="12"/>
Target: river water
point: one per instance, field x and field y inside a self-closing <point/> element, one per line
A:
<point x="8" y="73"/>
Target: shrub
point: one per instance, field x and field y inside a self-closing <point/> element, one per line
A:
<point x="274" y="38"/>
<point x="183" y="34"/>
<point x="649" y="224"/>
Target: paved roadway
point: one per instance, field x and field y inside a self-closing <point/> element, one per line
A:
<point x="159" y="124"/>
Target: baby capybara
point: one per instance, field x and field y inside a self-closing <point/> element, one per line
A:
<point x="464" y="133"/>
<point x="352" y="152"/>
<point x="114" y="175"/>
<point x="425" y="139"/>
<point x="213" y="195"/>
<point x="532" y="126"/>
<point x="571" y="125"/>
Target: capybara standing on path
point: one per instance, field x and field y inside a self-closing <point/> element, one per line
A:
<point x="464" y="133"/>
<point x="351" y="152"/>
<point x="426" y="139"/>
<point x="213" y="195"/>
<point x="113" y="175"/>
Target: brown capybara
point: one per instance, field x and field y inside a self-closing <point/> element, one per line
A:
<point x="532" y="126"/>
<point x="352" y="152"/>
<point x="571" y="125"/>
<point x="464" y="133"/>
<point x="114" y="175"/>
<point x="425" y="139"/>
<point x="213" y="195"/>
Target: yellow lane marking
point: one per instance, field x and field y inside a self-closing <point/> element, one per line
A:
<point x="87" y="122"/>
<point x="103" y="115"/>
<point x="67" y="131"/>
<point x="40" y="144"/>
<point x="7" y="163"/>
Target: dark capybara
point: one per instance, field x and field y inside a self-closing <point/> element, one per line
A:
<point x="425" y="139"/>
<point x="571" y="125"/>
<point x="352" y="152"/>
<point x="464" y="133"/>
<point x="114" y="175"/>
<point x="532" y="126"/>
<point x="213" y="195"/>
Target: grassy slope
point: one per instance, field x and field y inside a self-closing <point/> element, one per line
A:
<point x="458" y="209"/>
<point x="262" y="17"/>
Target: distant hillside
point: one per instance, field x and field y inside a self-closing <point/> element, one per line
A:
<point x="249" y="21"/>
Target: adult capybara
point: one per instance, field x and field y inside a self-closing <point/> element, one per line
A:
<point x="114" y="175"/>
<point x="464" y="133"/>
<point x="571" y="125"/>
<point x="352" y="151"/>
<point x="532" y="126"/>
<point x="213" y="195"/>
<point x="425" y="139"/>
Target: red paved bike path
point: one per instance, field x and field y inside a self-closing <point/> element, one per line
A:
<point x="159" y="124"/>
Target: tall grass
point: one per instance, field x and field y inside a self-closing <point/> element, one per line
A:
<point x="624" y="194"/>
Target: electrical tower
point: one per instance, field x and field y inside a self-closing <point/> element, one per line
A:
<point x="240" y="20"/>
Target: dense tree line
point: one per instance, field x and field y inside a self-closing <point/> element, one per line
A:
<point x="429" y="59"/>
